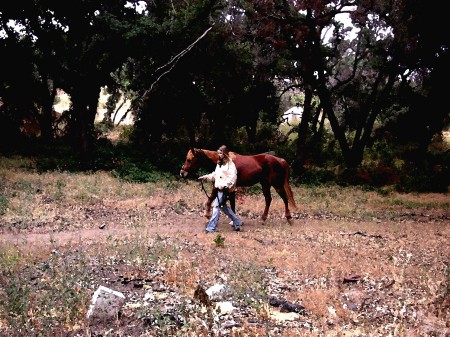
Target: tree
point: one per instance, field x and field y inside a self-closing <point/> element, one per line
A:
<point x="26" y="90"/>
<point x="355" y="80"/>
<point x="216" y="80"/>
<point x="77" y="46"/>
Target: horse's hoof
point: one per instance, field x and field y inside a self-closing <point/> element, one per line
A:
<point x="289" y="219"/>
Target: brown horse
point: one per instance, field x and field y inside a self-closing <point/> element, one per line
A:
<point x="266" y="169"/>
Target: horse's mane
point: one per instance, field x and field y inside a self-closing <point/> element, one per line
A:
<point x="211" y="155"/>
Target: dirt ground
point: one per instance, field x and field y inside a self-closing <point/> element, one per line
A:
<point x="386" y="274"/>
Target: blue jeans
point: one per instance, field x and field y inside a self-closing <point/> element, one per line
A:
<point x="217" y="206"/>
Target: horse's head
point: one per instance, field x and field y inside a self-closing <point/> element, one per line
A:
<point x="191" y="164"/>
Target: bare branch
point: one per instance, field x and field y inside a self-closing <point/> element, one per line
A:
<point x="173" y="61"/>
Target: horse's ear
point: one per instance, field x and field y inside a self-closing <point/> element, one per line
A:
<point x="193" y="151"/>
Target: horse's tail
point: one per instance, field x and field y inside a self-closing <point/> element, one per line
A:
<point x="287" y="186"/>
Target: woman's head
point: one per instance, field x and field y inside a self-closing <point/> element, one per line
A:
<point x="223" y="153"/>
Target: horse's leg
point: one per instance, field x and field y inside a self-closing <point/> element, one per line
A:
<point x="232" y="197"/>
<point x="211" y="198"/>
<point x="268" y="199"/>
<point x="283" y="195"/>
<point x="208" y="208"/>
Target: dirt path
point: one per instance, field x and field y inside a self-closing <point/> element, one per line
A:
<point x="116" y="225"/>
<point x="93" y="232"/>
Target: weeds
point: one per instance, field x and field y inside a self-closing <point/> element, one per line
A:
<point x="59" y="194"/>
<point x="415" y="204"/>
<point x="180" y="206"/>
<point x="219" y="240"/>
<point x="4" y="203"/>
<point x="45" y="295"/>
<point x="248" y="283"/>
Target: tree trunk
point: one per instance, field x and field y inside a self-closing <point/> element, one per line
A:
<point x="85" y="109"/>
<point x="303" y="132"/>
<point x="46" y="120"/>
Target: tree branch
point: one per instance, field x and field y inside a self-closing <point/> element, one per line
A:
<point x="172" y="62"/>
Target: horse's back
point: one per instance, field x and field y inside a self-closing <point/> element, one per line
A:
<point x="249" y="170"/>
<point x="271" y="161"/>
<point x="261" y="167"/>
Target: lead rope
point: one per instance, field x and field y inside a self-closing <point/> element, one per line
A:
<point x="204" y="190"/>
<point x="209" y="198"/>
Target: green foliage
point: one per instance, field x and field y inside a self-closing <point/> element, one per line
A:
<point x="253" y="291"/>
<point x="141" y="172"/>
<point x="57" y="156"/>
<point x="16" y="301"/>
<point x="57" y="300"/>
<point x="180" y="206"/>
<point x="125" y="133"/>
<point x="169" y="153"/>
<point x="69" y="163"/>
<point x="385" y="163"/>
<point x="424" y="178"/>
<point x="3" y="198"/>
<point x="405" y="168"/>
<point x="9" y="261"/>
<point x="15" y="297"/>
<point x="266" y="139"/>
<point x="3" y="203"/>
<point x="59" y="194"/>
<point x="219" y="240"/>
<point x="408" y="204"/>
<point x="381" y="153"/>
<point x="104" y="126"/>
<point x="252" y="190"/>
<point x="315" y="176"/>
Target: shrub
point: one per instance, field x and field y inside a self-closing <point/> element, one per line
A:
<point x="143" y="172"/>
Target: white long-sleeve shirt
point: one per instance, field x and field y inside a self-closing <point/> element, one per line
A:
<point x="224" y="176"/>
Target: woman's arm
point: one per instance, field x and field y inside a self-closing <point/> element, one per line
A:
<point x="209" y="177"/>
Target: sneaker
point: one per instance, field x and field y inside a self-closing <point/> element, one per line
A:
<point x="232" y="224"/>
<point x="207" y="232"/>
<point x="237" y="229"/>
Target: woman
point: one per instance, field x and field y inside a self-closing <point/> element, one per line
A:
<point x="224" y="177"/>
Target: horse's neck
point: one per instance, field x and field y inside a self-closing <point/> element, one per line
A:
<point x="211" y="155"/>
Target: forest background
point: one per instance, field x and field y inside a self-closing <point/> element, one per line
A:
<point x="368" y="76"/>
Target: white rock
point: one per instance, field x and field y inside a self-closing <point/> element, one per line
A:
<point x="217" y="292"/>
<point x="284" y="316"/>
<point x="217" y="288"/>
<point x="105" y="304"/>
<point x="225" y="307"/>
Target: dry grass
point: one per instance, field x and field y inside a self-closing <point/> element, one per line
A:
<point x="54" y="254"/>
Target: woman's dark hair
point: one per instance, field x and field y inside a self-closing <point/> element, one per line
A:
<point x="226" y="154"/>
<point x="224" y="150"/>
